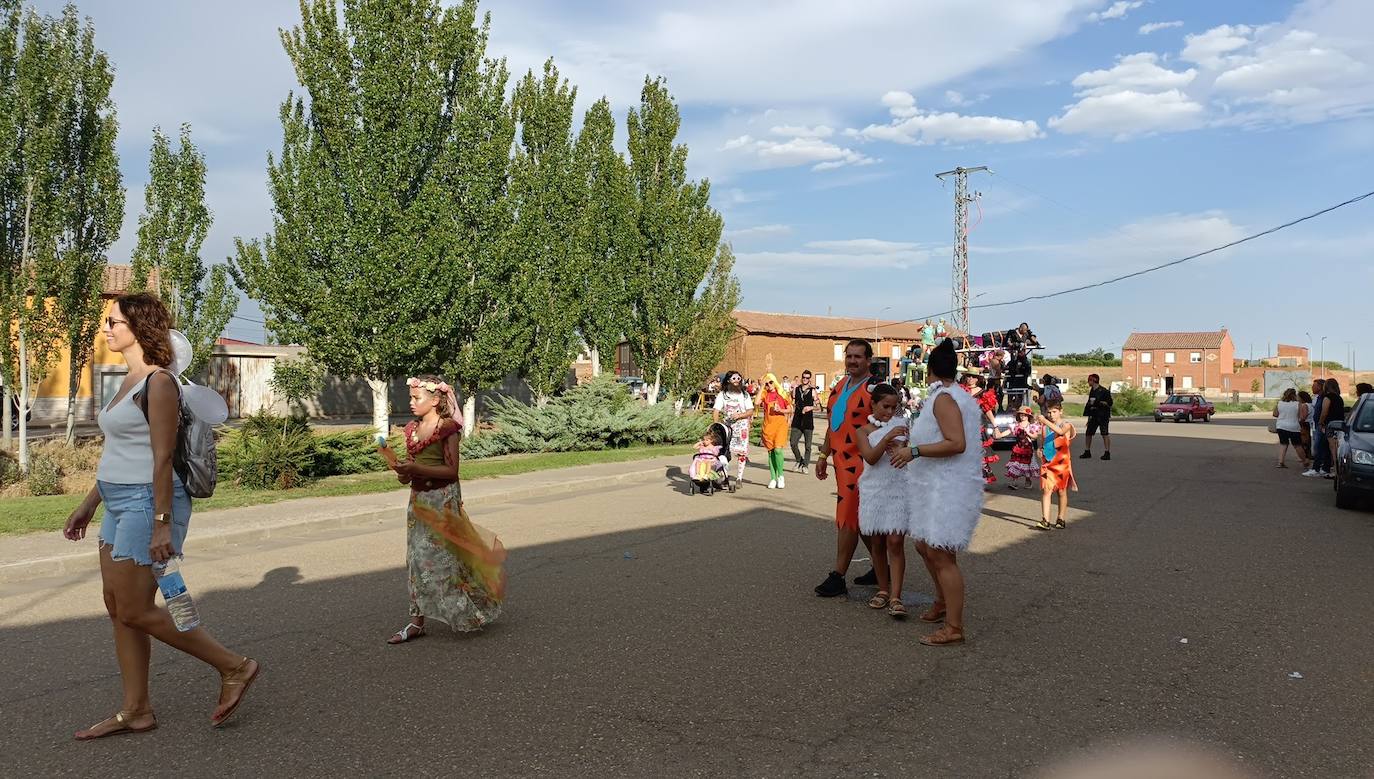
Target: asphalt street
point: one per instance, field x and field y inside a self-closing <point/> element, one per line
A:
<point x="1198" y="593"/>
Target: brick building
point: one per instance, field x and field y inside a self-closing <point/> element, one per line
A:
<point x="787" y="344"/>
<point x="1174" y="362"/>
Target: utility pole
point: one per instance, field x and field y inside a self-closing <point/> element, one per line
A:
<point x="959" y="276"/>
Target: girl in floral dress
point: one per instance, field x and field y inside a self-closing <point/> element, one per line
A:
<point x="1022" y="465"/>
<point x="454" y="567"/>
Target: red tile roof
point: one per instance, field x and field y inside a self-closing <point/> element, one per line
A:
<point x="221" y="341"/>
<point x="826" y="326"/>
<point x="1203" y="340"/>
<point x="119" y="277"/>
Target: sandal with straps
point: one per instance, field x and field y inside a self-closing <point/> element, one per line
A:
<point x="239" y="677"/>
<point x="122" y="720"/>
<point x="949" y="634"/>
<point x="935" y="613"/>
<point x="895" y="608"/>
<point x="404" y="634"/>
<point x="878" y="601"/>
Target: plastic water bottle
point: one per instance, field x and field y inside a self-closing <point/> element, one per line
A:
<point x="174" y="594"/>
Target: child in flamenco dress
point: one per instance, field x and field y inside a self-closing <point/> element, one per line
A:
<point x="454" y="567"/>
<point x="987" y="406"/>
<point x="1022" y="463"/>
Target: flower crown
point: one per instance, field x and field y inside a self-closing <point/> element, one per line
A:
<point x="429" y="386"/>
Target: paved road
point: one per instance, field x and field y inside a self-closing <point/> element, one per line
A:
<point x="653" y="633"/>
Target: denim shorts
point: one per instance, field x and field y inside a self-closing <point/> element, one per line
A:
<point x="128" y="524"/>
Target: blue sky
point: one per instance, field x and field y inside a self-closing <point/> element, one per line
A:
<point x="1122" y="134"/>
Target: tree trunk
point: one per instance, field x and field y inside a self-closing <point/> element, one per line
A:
<point x="653" y="391"/>
<point x="381" y="408"/>
<point x="23" y="404"/>
<point x="73" y="383"/>
<point x="470" y="415"/>
<point x="6" y="417"/>
<point x="596" y="362"/>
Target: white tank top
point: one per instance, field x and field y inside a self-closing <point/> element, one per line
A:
<point x="128" y="454"/>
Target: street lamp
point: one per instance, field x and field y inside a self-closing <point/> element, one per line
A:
<point x="1323" y="356"/>
<point x="875" y="321"/>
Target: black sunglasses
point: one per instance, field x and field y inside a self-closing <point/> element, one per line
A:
<point x="111" y="322"/>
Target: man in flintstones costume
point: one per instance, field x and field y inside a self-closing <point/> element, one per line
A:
<point x="848" y="408"/>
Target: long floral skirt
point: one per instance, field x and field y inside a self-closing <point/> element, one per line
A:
<point x="455" y="567"/>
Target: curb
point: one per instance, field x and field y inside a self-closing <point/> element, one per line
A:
<point x="85" y="561"/>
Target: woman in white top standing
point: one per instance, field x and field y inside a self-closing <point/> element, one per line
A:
<point x="1291" y="416"/>
<point x="147" y="512"/>
<point x="946" y="463"/>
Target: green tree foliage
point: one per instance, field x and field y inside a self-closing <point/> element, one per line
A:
<point x="677" y="232"/>
<point x="713" y="325"/>
<point x="609" y="234"/>
<point x="171" y="231"/>
<point x="294" y="380"/>
<point x="548" y="191"/>
<point x="1094" y="358"/>
<point x="389" y="196"/>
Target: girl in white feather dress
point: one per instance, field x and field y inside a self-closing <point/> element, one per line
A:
<point x="945" y="468"/>
<point x="884" y="498"/>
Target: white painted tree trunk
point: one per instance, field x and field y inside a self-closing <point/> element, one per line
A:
<point x="6" y="417"/>
<point x="653" y="391"/>
<point x="23" y="404"/>
<point x="381" y="406"/>
<point x="469" y="415"/>
<point x="596" y="362"/>
<point x="677" y="406"/>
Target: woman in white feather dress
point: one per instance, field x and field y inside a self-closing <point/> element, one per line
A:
<point x="945" y="464"/>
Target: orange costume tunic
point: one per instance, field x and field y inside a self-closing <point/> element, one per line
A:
<point x="842" y="437"/>
<point x="775" y="424"/>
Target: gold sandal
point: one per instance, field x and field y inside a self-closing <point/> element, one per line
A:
<point x="878" y="601"/>
<point x="949" y="634"/>
<point x="239" y="677"/>
<point x="895" y="608"/>
<point x="121" y="719"/>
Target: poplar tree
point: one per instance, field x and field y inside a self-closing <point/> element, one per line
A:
<point x="713" y="326"/>
<point x="386" y="254"/>
<point x="548" y="192"/>
<point x="609" y="235"/>
<point x="171" y="230"/>
<point x="677" y="232"/>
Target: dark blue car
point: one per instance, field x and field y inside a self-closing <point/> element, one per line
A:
<point x="1355" y="454"/>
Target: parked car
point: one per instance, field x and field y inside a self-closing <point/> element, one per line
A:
<point x="1354" y="471"/>
<point x="639" y="388"/>
<point x="1191" y="408"/>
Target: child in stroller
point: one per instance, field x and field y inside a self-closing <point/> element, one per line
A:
<point x="709" y="463"/>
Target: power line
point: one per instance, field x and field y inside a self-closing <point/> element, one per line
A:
<point x="1134" y="274"/>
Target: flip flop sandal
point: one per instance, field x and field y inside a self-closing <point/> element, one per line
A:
<point x="878" y="601"/>
<point x="934" y="614"/>
<point x="404" y="634"/>
<point x="234" y="680"/>
<point x="896" y="609"/>
<point x="122" y="720"/>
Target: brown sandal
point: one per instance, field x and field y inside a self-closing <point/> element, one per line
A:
<point x="878" y="601"/>
<point x="935" y="613"/>
<point x="239" y="677"/>
<point x="895" y="608"/>
<point x="949" y="634"/>
<point x="121" y="719"/>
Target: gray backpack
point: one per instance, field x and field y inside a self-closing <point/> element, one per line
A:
<point x="196" y="460"/>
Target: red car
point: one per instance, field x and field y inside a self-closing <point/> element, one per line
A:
<point x="1193" y="408"/>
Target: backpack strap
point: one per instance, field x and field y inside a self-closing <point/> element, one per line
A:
<point x="142" y="397"/>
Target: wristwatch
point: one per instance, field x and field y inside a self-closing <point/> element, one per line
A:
<point x="163" y="518"/>
<point x="915" y="451"/>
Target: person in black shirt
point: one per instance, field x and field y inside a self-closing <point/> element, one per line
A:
<point x="1333" y="410"/>
<point x="1098" y="409"/>
<point x="803" y="420"/>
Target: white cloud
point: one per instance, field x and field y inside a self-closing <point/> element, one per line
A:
<point x="763" y="154"/>
<point x="910" y="125"/>
<point x="1146" y="29"/>
<point x="1117" y="10"/>
<point x="1140" y="72"/>
<point x="865" y="254"/>
<point x="1210" y="48"/>
<point x="867" y="245"/>
<point x="1140" y="243"/>
<point x="1129" y="113"/>
<point x="959" y="99"/>
<point x="759" y="230"/>
<point x="794" y="131"/>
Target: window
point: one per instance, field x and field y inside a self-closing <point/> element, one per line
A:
<point x="820" y="379"/>
<point x="1195" y="357"/>
<point x="1168" y="358"/>
<point x="839" y="352"/>
<point x="1147" y="357"/>
<point x="1187" y="382"/>
<point x="1146" y="382"/>
<point x="896" y="353"/>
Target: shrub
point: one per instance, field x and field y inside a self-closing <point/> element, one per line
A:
<point x="1133" y="402"/>
<point x="45" y="478"/>
<point x="9" y="470"/>
<point x="597" y="415"/>
<point x="341" y="454"/>
<point x="1080" y="386"/>
<point x="268" y="456"/>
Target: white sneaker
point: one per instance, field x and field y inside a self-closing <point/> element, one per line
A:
<point x="782" y="482"/>
<point x="772" y="484"/>
<point x="1309" y="472"/>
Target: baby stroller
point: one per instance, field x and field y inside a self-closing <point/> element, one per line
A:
<point x="709" y="474"/>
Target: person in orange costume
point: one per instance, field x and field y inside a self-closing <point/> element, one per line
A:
<point x="848" y="407"/>
<point x="776" y="408"/>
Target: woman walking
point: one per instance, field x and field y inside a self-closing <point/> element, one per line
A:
<point x="454" y="567"/>
<point x="1289" y="420"/>
<point x="947" y="490"/>
<point x="776" y="408"/>
<point x="147" y="513"/>
<point x="735" y="408"/>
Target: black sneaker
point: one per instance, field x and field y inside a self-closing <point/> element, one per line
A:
<point x="833" y="586"/>
<point x="1086" y="455"/>
<point x="869" y="579"/>
<point x="1106" y="455"/>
